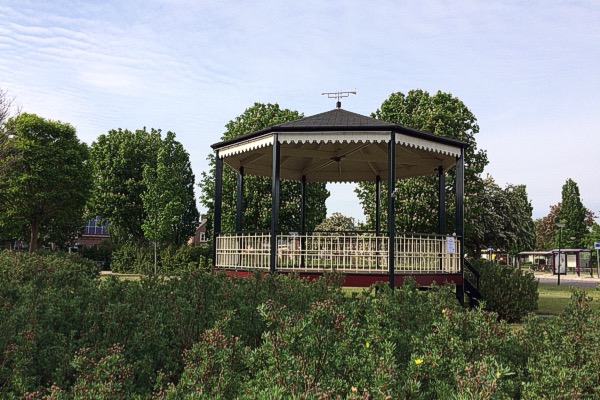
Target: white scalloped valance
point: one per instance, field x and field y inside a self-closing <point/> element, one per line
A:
<point x="427" y="145"/>
<point x="242" y="147"/>
<point x="338" y="137"/>
<point x="334" y="137"/>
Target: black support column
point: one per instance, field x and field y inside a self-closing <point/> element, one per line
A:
<point x="377" y="204"/>
<point x="442" y="201"/>
<point x="303" y="205"/>
<point x="460" y="217"/>
<point x="391" y="214"/>
<point x="275" y="177"/>
<point x="218" y="204"/>
<point x="302" y="219"/>
<point x="239" y="207"/>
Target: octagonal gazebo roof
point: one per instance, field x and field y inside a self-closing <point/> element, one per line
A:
<point x="339" y="146"/>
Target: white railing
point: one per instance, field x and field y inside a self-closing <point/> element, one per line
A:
<point x="339" y="251"/>
<point x="347" y="252"/>
<point x="426" y="254"/>
<point x="243" y="251"/>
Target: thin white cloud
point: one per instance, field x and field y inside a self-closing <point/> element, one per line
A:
<point x="528" y="70"/>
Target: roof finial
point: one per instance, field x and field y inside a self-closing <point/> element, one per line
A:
<point x="338" y="96"/>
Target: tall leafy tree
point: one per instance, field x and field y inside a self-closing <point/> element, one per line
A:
<point x="144" y="187"/>
<point x="416" y="198"/>
<point x="545" y="228"/>
<point x="119" y="159"/>
<point x="257" y="190"/>
<point x="573" y="214"/>
<point x="547" y="234"/>
<point x="505" y="222"/>
<point x="45" y="182"/>
<point x="169" y="201"/>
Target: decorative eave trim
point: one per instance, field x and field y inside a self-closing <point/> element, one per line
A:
<point x="266" y="140"/>
<point x="427" y="145"/>
<point x="248" y="145"/>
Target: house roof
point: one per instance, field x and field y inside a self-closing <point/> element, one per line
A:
<point x="339" y="146"/>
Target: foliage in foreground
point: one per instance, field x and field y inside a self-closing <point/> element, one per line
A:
<point x="510" y="292"/>
<point x="66" y="334"/>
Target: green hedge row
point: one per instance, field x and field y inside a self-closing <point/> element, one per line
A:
<point x="65" y="333"/>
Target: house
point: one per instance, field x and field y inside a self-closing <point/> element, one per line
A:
<point x="200" y="234"/>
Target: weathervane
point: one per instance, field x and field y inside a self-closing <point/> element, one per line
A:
<point x="338" y="96"/>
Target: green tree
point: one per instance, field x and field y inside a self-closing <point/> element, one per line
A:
<point x="119" y="159"/>
<point x="169" y="201"/>
<point x="337" y="222"/>
<point x="547" y="232"/>
<point x="257" y="189"/>
<point x="545" y="228"/>
<point x="573" y="214"/>
<point x="593" y="236"/>
<point x="45" y="182"/>
<point x="417" y="198"/>
<point x="505" y="221"/>
<point x="144" y="187"/>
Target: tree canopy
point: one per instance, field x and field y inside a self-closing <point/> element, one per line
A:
<point x="547" y="233"/>
<point x="505" y="221"/>
<point x="573" y="214"/>
<point x="169" y="200"/>
<point x="45" y="182"/>
<point x="416" y="199"/>
<point x="337" y="222"/>
<point x="143" y="186"/>
<point x="257" y="189"/>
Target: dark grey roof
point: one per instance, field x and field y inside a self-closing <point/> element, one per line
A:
<point x="334" y="118"/>
<point x="340" y="120"/>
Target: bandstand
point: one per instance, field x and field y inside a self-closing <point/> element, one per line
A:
<point x="341" y="146"/>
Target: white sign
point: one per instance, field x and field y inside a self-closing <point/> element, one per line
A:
<point x="597" y="245"/>
<point x="560" y="263"/>
<point x="450" y="244"/>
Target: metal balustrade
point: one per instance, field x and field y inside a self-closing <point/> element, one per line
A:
<point x="349" y="252"/>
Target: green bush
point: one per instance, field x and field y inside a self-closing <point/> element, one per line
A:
<point x="131" y="259"/>
<point x="510" y="292"/>
<point x="100" y="253"/>
<point x="66" y="334"/>
<point x="171" y="260"/>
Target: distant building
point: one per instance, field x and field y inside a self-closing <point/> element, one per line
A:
<point x="200" y="235"/>
<point x="94" y="232"/>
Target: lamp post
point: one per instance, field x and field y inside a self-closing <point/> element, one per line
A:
<point x="560" y="225"/>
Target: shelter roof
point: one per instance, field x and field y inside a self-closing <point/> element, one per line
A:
<point x="339" y="146"/>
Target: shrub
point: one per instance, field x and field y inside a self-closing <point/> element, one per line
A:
<point x="131" y="259"/>
<point x="510" y="292"/>
<point x="171" y="260"/>
<point x="100" y="253"/>
<point x="564" y="356"/>
<point x="66" y="334"/>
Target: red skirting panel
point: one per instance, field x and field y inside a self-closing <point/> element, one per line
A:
<point x="366" y="280"/>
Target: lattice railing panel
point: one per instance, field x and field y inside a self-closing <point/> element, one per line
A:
<point x="327" y="252"/>
<point x="344" y="252"/>
<point x="244" y="251"/>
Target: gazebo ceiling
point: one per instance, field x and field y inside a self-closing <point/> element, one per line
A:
<point x="339" y="146"/>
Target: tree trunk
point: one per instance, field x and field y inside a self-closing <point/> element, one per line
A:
<point x="33" y="240"/>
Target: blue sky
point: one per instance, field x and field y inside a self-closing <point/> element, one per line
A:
<point x="529" y="71"/>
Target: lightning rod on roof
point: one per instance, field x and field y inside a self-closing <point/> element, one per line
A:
<point x="338" y="96"/>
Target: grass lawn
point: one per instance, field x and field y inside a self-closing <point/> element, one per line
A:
<point x="553" y="298"/>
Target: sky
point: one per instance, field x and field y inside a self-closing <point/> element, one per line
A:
<point x="528" y="70"/>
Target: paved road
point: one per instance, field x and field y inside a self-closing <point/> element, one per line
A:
<point x="568" y="280"/>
